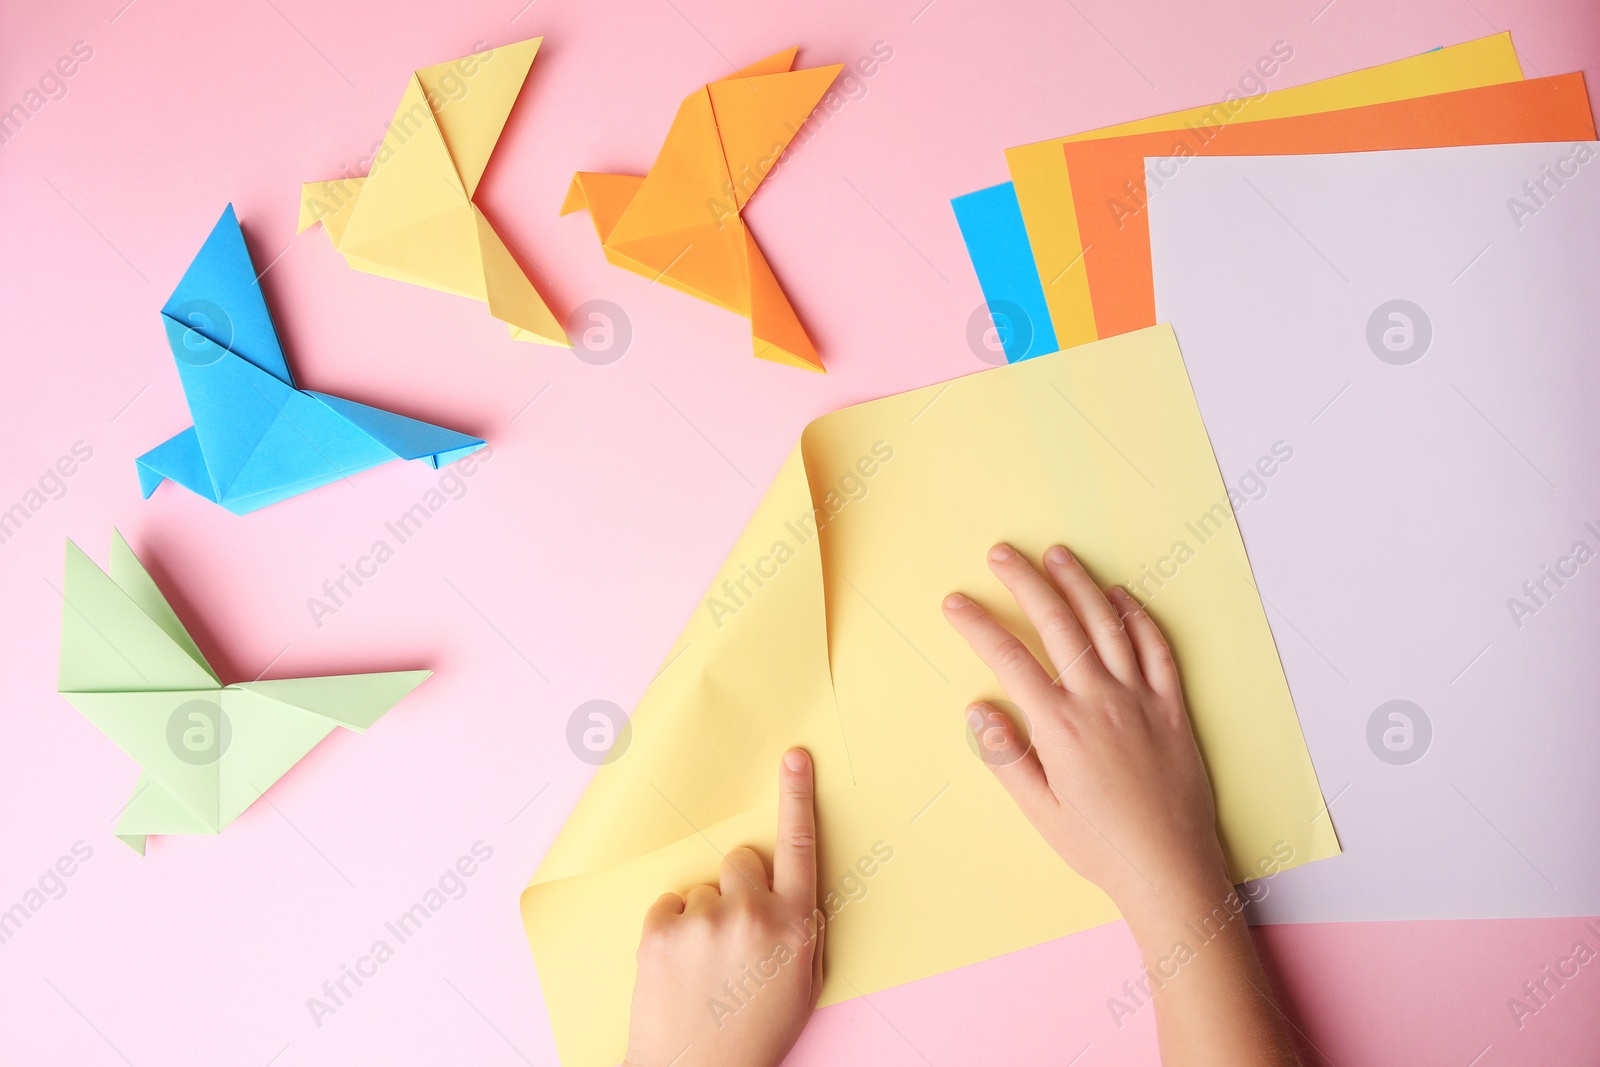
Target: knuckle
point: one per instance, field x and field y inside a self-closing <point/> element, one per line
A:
<point x="1058" y="622"/>
<point x="1012" y="655"/>
<point x="768" y="926"/>
<point x="658" y="916"/>
<point x="658" y="945"/>
<point x="696" y="922"/>
<point x="803" y="837"/>
<point x="797" y="796"/>
<point x="1122" y="711"/>
<point x="748" y="917"/>
<point x="1108" y="625"/>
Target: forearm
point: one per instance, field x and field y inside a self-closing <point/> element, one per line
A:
<point x="1214" y="1006"/>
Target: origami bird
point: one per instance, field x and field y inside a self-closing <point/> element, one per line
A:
<point x="208" y="750"/>
<point x="413" y="217"/>
<point x="257" y="439"/>
<point x="680" y="223"/>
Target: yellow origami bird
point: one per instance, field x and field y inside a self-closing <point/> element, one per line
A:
<point x="680" y="224"/>
<point x="413" y="217"/>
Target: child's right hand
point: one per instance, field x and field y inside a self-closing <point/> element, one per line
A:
<point x="1113" y="780"/>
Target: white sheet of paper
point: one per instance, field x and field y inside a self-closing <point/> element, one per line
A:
<point x="1418" y="485"/>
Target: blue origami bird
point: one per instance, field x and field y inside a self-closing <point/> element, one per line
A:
<point x="257" y="439"/>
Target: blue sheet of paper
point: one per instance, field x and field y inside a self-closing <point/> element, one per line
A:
<point x="997" y="242"/>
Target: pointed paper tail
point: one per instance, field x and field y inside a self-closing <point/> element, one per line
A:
<point x="354" y="701"/>
<point x="152" y="810"/>
<point x="150" y="478"/>
<point x="440" y="460"/>
<point x="329" y="203"/>
<point x="276" y="724"/>
<point x="775" y="328"/>
<point x="605" y="196"/>
<point x="180" y="459"/>
<point x="510" y="293"/>
<point x="776" y="63"/>
<point x="404" y="437"/>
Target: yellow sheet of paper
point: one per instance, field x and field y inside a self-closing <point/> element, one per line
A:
<point x="1101" y="447"/>
<point x="1044" y="188"/>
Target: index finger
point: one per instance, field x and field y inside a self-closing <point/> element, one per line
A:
<point x="794" y="861"/>
<point x="1020" y="675"/>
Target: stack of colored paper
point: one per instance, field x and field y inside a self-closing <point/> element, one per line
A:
<point x="1065" y="244"/>
<point x="1383" y="285"/>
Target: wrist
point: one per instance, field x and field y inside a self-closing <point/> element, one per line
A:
<point x="1198" y="904"/>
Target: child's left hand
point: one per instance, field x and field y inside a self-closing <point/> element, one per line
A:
<point x="728" y="976"/>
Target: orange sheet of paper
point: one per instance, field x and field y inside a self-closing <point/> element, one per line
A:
<point x="681" y="224"/>
<point x="1039" y="170"/>
<point x="1112" y="182"/>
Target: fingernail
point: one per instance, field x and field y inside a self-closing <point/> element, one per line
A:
<point x="1119" y="594"/>
<point x="795" y="759"/>
<point x="1001" y="553"/>
<point x="1058" y="554"/>
<point x="975" y="718"/>
<point x="955" y="602"/>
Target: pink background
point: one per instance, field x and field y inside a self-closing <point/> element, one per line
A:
<point x="567" y="567"/>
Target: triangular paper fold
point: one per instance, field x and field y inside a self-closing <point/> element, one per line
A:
<point x="680" y="224"/>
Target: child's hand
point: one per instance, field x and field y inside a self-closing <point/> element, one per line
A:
<point x="1113" y="782"/>
<point x="728" y="977"/>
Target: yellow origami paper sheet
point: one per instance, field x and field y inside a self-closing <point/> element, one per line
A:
<point x="415" y="218"/>
<point x="824" y="630"/>
<point x="1044" y="186"/>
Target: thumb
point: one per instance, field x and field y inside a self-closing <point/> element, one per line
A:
<point x="1010" y="755"/>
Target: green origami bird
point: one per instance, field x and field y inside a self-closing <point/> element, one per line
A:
<point x="208" y="750"/>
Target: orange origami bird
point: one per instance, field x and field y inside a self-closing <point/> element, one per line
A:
<point x="680" y="224"/>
